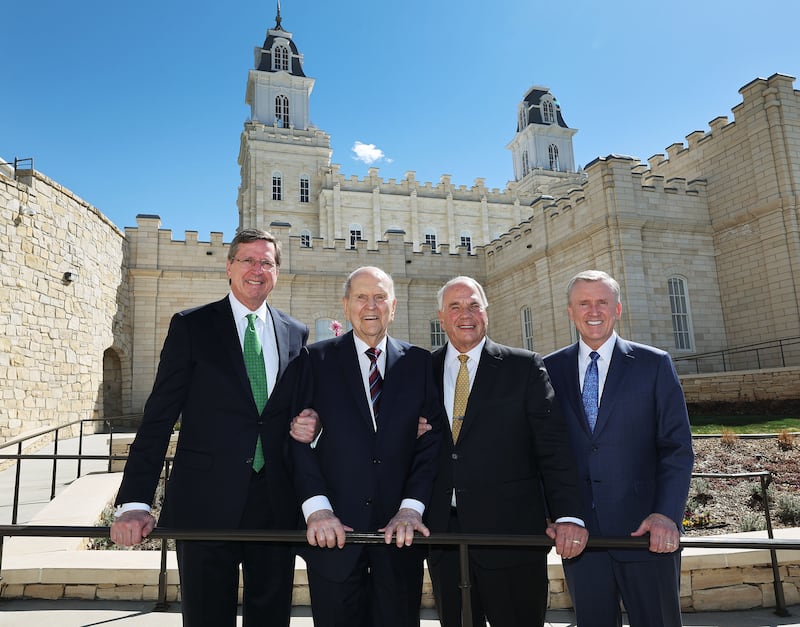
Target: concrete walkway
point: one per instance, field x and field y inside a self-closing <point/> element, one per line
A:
<point x="36" y="477"/>
<point x="130" y="614"/>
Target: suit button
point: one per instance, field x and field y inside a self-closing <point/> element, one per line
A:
<point x="249" y="460"/>
<point x="368" y="502"/>
<point x="260" y="422"/>
<point x="376" y="461"/>
<point x="454" y="456"/>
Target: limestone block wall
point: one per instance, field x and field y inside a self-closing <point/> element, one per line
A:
<point x="54" y="331"/>
<point x="752" y="168"/>
<point x="744" y="386"/>
<point x="642" y="231"/>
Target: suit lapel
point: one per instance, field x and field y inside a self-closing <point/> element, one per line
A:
<point x="351" y="371"/>
<point x="282" y="339"/>
<point x="485" y="377"/>
<point x="621" y="361"/>
<point x="573" y="384"/>
<point x="225" y="329"/>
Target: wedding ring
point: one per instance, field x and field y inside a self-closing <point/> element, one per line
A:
<point x="576" y="542"/>
<point x="670" y="543"/>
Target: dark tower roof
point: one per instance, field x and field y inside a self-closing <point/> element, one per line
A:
<point x="265" y="64"/>
<point x="533" y="101"/>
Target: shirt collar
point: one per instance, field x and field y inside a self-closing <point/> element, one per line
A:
<point x="474" y="353"/>
<point x="240" y="311"/>
<point x="362" y="346"/>
<point x="605" y="351"/>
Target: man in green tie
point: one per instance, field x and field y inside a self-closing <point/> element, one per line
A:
<point x="221" y="365"/>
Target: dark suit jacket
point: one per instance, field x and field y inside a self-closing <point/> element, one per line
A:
<point x="639" y="458"/>
<point x="202" y="379"/>
<point x="365" y="474"/>
<point x="512" y="466"/>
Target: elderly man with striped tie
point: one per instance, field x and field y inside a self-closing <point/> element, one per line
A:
<point x="367" y="471"/>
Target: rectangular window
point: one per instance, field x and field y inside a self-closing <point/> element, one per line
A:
<point x="438" y="336"/>
<point x="305" y="240"/>
<point x="430" y="239"/>
<point x="277" y="188"/>
<point x="527" y="328"/>
<point x="466" y="242"/>
<point x="355" y="236"/>
<point x="304" y="190"/>
<point x="679" y="307"/>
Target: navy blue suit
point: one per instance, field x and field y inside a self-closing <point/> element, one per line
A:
<point x="637" y="461"/>
<point x="202" y="379"/>
<point x="366" y="473"/>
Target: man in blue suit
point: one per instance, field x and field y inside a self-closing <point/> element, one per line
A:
<point x="367" y="471"/>
<point x="215" y="483"/>
<point x="630" y="434"/>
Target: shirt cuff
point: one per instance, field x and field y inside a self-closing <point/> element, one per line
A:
<point x="571" y="519"/>
<point x="414" y="504"/>
<point x="314" y="504"/>
<point x="128" y="507"/>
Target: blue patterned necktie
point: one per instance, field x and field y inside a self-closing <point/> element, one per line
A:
<point x="591" y="387"/>
<point x="375" y="380"/>
<point x="257" y="373"/>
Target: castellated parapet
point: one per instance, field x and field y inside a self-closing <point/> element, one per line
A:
<point x="168" y="276"/>
<point x="64" y="304"/>
<point x="751" y="166"/>
<point x="639" y="229"/>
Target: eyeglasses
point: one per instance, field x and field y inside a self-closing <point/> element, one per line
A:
<point x="265" y="264"/>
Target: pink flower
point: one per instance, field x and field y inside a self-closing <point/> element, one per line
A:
<point x="336" y="327"/>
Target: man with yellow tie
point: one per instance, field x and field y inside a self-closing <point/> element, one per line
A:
<point x="506" y="469"/>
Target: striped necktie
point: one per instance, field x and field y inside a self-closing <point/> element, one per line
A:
<point x="375" y="380"/>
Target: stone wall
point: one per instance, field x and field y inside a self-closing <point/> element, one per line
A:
<point x="64" y="302"/>
<point x="747" y="386"/>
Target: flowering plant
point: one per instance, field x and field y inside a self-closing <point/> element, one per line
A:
<point x="336" y="327"/>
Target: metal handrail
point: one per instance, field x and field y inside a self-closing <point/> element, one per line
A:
<point x="727" y="353"/>
<point x="463" y="541"/>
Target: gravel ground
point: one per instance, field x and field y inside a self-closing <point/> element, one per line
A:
<point x="734" y="505"/>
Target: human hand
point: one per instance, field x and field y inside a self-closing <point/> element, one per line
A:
<point x="325" y="530"/>
<point x="664" y="534"/>
<point x="132" y="527"/>
<point x="305" y="426"/>
<point x="402" y="527"/>
<point x="423" y="427"/>
<point x="570" y="539"/>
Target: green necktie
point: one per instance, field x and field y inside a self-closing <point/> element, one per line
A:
<point x="254" y="362"/>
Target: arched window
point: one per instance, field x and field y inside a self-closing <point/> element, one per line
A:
<point x="277" y="186"/>
<point x="282" y="111"/>
<point x="526" y="318"/>
<point x="305" y="187"/>
<point x="305" y="238"/>
<point x="548" y="113"/>
<point x="280" y="58"/>
<point x="466" y="241"/>
<point x="523" y="117"/>
<point x="525" y="165"/>
<point x="438" y="336"/>
<point x="430" y="239"/>
<point x="552" y="152"/>
<point x="681" y="316"/>
<point x="356" y="235"/>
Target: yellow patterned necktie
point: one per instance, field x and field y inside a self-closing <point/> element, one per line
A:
<point x="461" y="396"/>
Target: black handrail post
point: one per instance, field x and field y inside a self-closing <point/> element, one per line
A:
<point x="162" y="605"/>
<point x="780" y="601"/>
<point x="110" y="444"/>
<point x="55" y="465"/>
<point x="80" y="448"/>
<point x="15" y="505"/>
<point x="464" y="585"/>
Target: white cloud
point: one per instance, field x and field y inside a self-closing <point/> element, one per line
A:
<point x="368" y="153"/>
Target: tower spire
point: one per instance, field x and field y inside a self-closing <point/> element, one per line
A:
<point x="278" y="17"/>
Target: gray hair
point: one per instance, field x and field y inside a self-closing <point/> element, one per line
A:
<point x="468" y="280"/>
<point x="591" y="276"/>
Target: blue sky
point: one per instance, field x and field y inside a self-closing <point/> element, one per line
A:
<point x="138" y="107"/>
